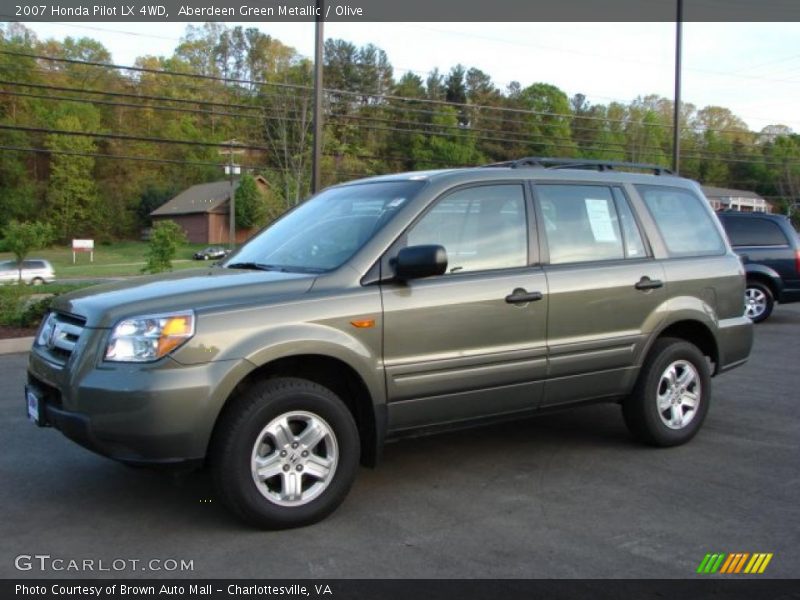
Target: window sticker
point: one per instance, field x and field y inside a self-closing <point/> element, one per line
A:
<point x="600" y="220"/>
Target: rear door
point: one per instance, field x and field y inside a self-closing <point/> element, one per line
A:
<point x="605" y="289"/>
<point x="465" y="344"/>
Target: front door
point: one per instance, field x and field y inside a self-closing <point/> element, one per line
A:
<point x="472" y="342"/>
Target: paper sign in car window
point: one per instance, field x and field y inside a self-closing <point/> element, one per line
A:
<point x="600" y="220"/>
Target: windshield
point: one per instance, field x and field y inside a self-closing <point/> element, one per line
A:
<point x="325" y="231"/>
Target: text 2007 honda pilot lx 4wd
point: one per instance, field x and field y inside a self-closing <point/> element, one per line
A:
<point x="398" y="304"/>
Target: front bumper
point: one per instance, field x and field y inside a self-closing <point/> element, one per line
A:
<point x="158" y="414"/>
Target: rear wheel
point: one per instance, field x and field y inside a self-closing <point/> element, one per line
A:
<point x="671" y="397"/>
<point x="285" y="454"/>
<point x="758" y="301"/>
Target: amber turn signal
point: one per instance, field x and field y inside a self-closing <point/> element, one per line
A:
<point x="363" y="323"/>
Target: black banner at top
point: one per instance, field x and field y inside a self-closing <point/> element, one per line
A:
<point x="399" y="11"/>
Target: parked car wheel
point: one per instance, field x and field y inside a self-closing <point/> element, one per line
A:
<point x="671" y="397"/>
<point x="758" y="301"/>
<point x="37" y="281"/>
<point x="285" y="453"/>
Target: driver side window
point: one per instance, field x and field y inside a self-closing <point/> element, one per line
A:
<point x="481" y="228"/>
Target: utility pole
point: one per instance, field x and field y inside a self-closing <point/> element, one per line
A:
<point x="232" y="209"/>
<point x="232" y="169"/>
<point x="676" y="134"/>
<point x="316" y="159"/>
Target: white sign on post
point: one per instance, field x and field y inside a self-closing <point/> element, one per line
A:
<point x="83" y="246"/>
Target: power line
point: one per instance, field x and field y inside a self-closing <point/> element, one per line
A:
<point x="133" y="138"/>
<point x="527" y="135"/>
<point x="531" y="140"/>
<point x="378" y="96"/>
<point x="89" y="63"/>
<point x="129" y="105"/>
<point x="127" y="95"/>
<point x="361" y="95"/>
<point x="122" y="157"/>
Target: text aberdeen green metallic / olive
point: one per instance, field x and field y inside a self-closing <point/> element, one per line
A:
<point x="400" y="305"/>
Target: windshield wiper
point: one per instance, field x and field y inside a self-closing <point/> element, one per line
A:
<point x="254" y="265"/>
<point x="281" y="268"/>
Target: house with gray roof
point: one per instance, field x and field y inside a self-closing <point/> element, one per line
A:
<point x="202" y="211"/>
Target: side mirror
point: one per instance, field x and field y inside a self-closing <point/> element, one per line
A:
<point x="415" y="262"/>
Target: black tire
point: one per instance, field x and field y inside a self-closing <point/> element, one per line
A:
<point x="246" y="421"/>
<point x="762" y="294"/>
<point x="37" y="281"/>
<point x="641" y="409"/>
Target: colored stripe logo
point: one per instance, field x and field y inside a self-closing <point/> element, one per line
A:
<point x="737" y="562"/>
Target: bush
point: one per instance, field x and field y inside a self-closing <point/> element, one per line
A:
<point x="25" y="306"/>
<point x="11" y="297"/>
<point x="164" y="242"/>
<point x="33" y="311"/>
<point x="250" y="207"/>
<point x="18" y="309"/>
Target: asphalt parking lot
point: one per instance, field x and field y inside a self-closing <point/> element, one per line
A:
<point x="564" y="495"/>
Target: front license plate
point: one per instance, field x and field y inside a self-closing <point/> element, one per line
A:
<point x="32" y="400"/>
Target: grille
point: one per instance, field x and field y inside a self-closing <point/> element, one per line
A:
<point x="59" y="334"/>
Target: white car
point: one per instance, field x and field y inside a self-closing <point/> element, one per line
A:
<point x="34" y="271"/>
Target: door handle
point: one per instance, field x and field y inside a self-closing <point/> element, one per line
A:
<point x="645" y="283"/>
<point x="522" y="296"/>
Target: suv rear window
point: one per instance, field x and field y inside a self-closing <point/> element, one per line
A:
<point x="684" y="221"/>
<point x="752" y="231"/>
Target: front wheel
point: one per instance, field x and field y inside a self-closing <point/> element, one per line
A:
<point x="758" y="301"/>
<point x="285" y="453"/>
<point x="671" y="397"/>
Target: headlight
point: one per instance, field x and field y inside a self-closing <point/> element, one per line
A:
<point x="149" y="337"/>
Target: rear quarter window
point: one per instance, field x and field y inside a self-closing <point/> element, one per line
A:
<point x="684" y="221"/>
<point x="753" y="231"/>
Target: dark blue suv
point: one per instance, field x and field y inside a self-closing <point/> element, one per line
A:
<point x="770" y="250"/>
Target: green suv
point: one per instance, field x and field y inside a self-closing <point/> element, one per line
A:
<point x="398" y="305"/>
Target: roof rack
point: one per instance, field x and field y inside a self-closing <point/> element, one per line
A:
<point x="578" y="163"/>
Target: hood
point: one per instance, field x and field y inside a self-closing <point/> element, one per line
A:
<point x="200" y="289"/>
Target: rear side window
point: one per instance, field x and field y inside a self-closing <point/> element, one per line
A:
<point x="587" y="223"/>
<point x="481" y="228"/>
<point x="752" y="231"/>
<point x="685" y="224"/>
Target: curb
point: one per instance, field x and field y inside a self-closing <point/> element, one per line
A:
<point x="16" y="345"/>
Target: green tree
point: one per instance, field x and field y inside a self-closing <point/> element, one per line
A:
<point x="547" y="126"/>
<point x="250" y="208"/>
<point x="21" y="238"/>
<point x="167" y="236"/>
<point x="72" y="196"/>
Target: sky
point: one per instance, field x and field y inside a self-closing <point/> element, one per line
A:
<point x="751" y="68"/>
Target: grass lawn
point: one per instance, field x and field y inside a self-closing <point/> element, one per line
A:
<point x="118" y="259"/>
